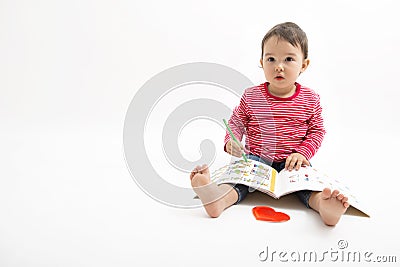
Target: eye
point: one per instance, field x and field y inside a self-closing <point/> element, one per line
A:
<point x="289" y="59"/>
<point x="270" y="59"/>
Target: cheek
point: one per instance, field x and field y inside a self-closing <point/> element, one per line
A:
<point x="268" y="69"/>
<point x="295" y="70"/>
<point x="268" y="73"/>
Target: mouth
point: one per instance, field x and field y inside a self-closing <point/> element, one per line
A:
<point x="279" y="78"/>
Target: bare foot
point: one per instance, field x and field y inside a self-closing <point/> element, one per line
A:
<point x="215" y="198"/>
<point x="331" y="205"/>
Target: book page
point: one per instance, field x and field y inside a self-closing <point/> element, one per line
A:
<point x="252" y="173"/>
<point x="306" y="178"/>
<point x="309" y="178"/>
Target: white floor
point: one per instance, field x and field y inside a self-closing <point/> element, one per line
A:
<point x="68" y="71"/>
<point x="67" y="199"/>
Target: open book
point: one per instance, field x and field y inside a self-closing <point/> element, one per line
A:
<point x="262" y="177"/>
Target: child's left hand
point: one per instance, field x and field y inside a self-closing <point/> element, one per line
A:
<point x="295" y="160"/>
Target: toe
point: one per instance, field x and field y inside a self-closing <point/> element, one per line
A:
<point x="335" y="193"/>
<point x="326" y="193"/>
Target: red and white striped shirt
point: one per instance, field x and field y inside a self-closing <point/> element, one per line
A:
<point x="276" y="127"/>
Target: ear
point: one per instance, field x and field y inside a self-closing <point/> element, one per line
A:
<point x="305" y="64"/>
<point x="261" y="63"/>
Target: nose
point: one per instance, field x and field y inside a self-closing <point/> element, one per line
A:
<point x="279" y="68"/>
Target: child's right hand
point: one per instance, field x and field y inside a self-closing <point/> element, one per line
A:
<point x="234" y="149"/>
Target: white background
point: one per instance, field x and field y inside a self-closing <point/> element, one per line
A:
<point x="68" y="71"/>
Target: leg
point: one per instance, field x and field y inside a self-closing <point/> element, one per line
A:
<point x="331" y="205"/>
<point x="215" y="198"/>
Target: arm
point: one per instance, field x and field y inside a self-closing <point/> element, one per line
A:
<point x="312" y="141"/>
<point x="238" y="124"/>
<point x="315" y="133"/>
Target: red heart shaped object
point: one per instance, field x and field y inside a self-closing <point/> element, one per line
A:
<point x="264" y="213"/>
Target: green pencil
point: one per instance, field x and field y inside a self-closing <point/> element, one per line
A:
<point x="234" y="139"/>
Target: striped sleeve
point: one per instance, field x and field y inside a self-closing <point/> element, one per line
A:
<point x="238" y="121"/>
<point x="315" y="133"/>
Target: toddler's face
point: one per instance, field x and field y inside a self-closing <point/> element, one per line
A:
<point x="282" y="64"/>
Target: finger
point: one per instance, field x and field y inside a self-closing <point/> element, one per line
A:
<point x="237" y="146"/>
<point x="229" y="147"/>
<point x="241" y="146"/>
<point x="237" y="152"/>
<point x="292" y="163"/>
<point x="288" y="159"/>
<point x="298" y="164"/>
<point x="306" y="162"/>
<point x="234" y="149"/>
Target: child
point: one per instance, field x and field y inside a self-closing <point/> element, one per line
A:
<point x="283" y="124"/>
